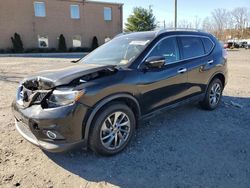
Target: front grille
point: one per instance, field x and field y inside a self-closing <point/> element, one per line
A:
<point x="26" y="97"/>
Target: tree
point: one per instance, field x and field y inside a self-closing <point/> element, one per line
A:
<point x="240" y="18"/>
<point x="184" y="24"/>
<point x="141" y="20"/>
<point x="228" y="24"/>
<point x="94" y="43"/>
<point x="62" y="47"/>
<point x="197" y="22"/>
<point x="17" y="43"/>
<point x="220" y="21"/>
<point x="207" y="25"/>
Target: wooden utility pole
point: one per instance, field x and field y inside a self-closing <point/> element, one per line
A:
<point x="175" y="14"/>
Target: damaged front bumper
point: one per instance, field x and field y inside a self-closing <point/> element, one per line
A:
<point x="53" y="129"/>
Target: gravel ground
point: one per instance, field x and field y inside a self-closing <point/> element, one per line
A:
<point x="183" y="147"/>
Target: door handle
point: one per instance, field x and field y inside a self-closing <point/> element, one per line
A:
<point x="182" y="70"/>
<point x="210" y="62"/>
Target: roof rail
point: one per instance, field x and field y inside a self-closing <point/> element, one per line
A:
<point x="177" y="29"/>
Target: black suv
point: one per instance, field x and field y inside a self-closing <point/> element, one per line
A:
<point x="98" y="102"/>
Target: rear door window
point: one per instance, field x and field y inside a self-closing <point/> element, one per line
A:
<point x="191" y="47"/>
<point x="208" y="45"/>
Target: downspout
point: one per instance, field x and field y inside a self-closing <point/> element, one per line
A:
<point x="121" y="17"/>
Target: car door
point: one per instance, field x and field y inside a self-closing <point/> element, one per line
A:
<point x="165" y="85"/>
<point x="199" y="62"/>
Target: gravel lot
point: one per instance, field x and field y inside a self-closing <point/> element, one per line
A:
<point x="184" y="147"/>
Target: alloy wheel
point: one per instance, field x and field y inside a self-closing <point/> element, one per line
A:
<point x="215" y="94"/>
<point x="115" y="130"/>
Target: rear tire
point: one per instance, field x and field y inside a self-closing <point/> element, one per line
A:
<point x="213" y="95"/>
<point x="112" y="129"/>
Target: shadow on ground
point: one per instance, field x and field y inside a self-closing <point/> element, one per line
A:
<point x="183" y="147"/>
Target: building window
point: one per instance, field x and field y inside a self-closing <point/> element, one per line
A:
<point x="39" y="9"/>
<point x="107" y="12"/>
<point x="43" y="41"/>
<point x="75" y="11"/>
<point x="77" y="41"/>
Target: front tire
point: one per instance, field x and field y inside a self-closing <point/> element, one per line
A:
<point x="112" y="130"/>
<point x="213" y="95"/>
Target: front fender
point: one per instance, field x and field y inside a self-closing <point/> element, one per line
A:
<point x="105" y="101"/>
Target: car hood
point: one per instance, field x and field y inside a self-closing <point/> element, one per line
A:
<point x="53" y="78"/>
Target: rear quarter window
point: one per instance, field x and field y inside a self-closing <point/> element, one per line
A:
<point x="208" y="45"/>
<point x="191" y="47"/>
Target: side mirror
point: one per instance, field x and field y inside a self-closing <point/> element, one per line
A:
<point x="155" y="62"/>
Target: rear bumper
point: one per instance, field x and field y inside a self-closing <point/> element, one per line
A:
<point x="67" y="122"/>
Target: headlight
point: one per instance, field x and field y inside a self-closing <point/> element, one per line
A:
<point x="63" y="96"/>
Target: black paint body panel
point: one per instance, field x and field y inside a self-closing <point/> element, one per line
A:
<point x="149" y="90"/>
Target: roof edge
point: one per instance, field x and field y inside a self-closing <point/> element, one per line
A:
<point x="104" y="2"/>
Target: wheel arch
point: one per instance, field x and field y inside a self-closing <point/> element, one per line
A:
<point x="126" y="98"/>
<point x="218" y="75"/>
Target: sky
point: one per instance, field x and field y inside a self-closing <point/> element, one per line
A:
<point x="187" y="9"/>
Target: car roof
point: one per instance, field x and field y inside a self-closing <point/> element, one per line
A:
<point x="171" y="31"/>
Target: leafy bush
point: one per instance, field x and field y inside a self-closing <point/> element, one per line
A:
<point x="17" y="43"/>
<point x="94" y="43"/>
<point x="62" y="47"/>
